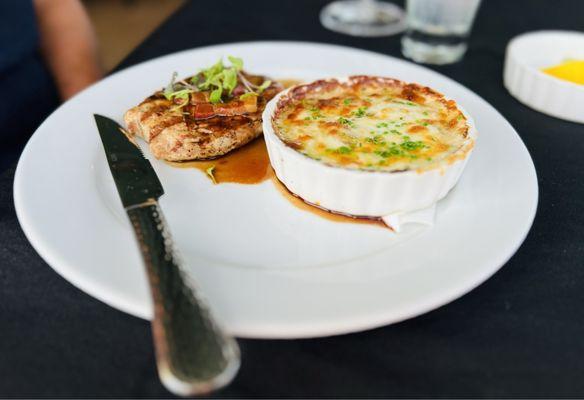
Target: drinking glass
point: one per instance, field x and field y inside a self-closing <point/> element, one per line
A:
<point x="363" y="17"/>
<point x="438" y="29"/>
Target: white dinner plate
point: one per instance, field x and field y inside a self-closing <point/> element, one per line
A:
<point x="269" y="269"/>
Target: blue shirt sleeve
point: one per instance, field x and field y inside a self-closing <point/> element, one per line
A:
<point x="18" y="32"/>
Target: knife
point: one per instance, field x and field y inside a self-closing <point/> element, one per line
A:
<point x="193" y="355"/>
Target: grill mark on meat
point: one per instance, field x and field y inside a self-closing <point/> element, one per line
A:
<point x="177" y="146"/>
<point x="178" y="135"/>
<point x="219" y="126"/>
<point x="152" y="111"/>
<point x="158" y="128"/>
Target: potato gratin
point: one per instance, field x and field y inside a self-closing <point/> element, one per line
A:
<point x="372" y="123"/>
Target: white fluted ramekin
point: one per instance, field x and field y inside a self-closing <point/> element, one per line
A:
<point x="358" y="192"/>
<point x="527" y="54"/>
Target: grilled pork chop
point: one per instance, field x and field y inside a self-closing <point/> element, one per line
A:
<point x="199" y="129"/>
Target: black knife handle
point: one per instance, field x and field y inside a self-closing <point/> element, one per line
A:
<point x="193" y="355"/>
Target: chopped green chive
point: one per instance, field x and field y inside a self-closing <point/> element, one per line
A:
<point x="346" y="121"/>
<point x="412" y="145"/>
<point x="361" y="112"/>
<point x="407" y="103"/>
<point x="316" y="113"/>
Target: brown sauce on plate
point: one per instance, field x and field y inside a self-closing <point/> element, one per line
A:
<point x="247" y="165"/>
<point x="300" y="203"/>
<point x="250" y="165"/>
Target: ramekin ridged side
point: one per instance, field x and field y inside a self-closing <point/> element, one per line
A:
<point x="525" y="81"/>
<point x="356" y="192"/>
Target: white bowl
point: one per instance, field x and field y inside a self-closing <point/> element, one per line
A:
<point x="527" y="54"/>
<point x="357" y="192"/>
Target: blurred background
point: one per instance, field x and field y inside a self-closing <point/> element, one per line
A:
<point x="121" y="25"/>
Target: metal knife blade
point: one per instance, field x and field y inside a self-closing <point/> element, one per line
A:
<point x="133" y="174"/>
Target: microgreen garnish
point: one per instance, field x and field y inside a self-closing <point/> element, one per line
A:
<point x="347" y="101"/>
<point x="247" y="95"/>
<point x="215" y="96"/>
<point x="236" y="62"/>
<point x="343" y="150"/>
<point x="263" y="86"/>
<point x="382" y="125"/>
<point x="219" y="80"/>
<point x="178" y="91"/>
<point x="209" y="172"/>
<point x="169" y="89"/>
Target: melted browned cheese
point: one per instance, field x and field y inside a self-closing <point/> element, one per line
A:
<point x="376" y="124"/>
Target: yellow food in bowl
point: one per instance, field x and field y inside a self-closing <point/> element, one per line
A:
<point x="571" y="71"/>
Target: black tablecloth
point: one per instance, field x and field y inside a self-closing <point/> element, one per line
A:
<point x="519" y="334"/>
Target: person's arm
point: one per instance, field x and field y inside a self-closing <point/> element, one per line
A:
<point x="68" y="44"/>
